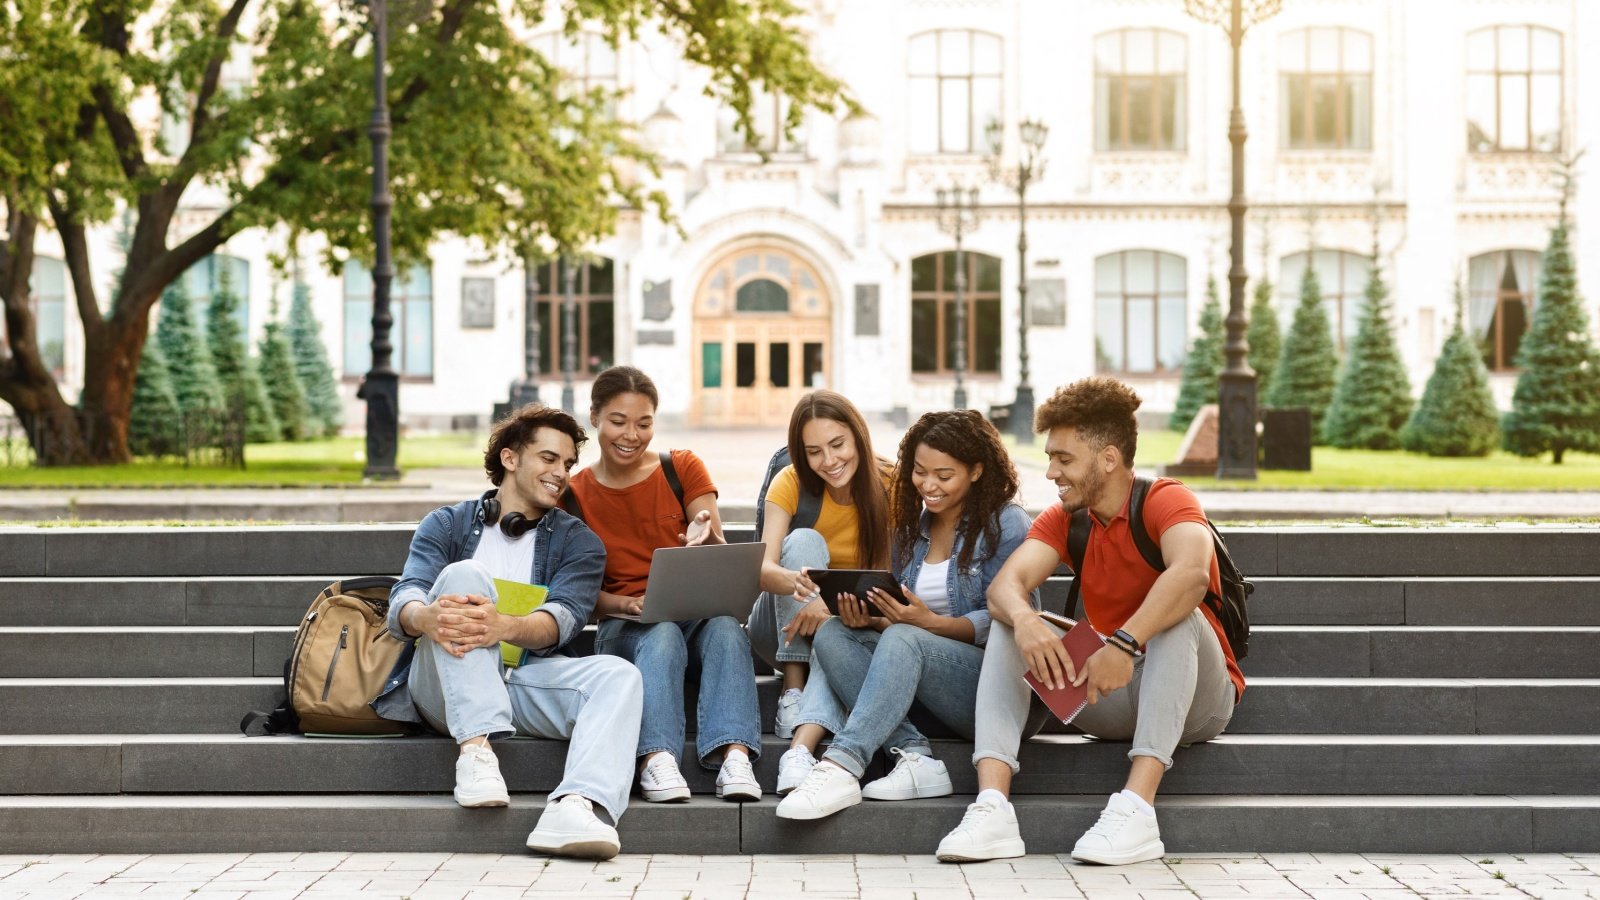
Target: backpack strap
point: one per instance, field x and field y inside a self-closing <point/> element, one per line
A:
<point x="671" y="471"/>
<point x="1078" y="526"/>
<point x="1141" y="534"/>
<point x="808" y="508"/>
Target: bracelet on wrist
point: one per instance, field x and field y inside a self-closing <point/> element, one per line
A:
<point x="1118" y="643"/>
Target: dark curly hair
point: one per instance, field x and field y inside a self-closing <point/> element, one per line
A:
<point x="518" y="429"/>
<point x="967" y="436"/>
<point x="1100" y="408"/>
<point x="866" y="487"/>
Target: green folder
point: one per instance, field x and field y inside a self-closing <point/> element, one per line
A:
<point x="513" y="598"/>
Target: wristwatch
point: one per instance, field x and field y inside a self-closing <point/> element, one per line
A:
<point x="1132" y="645"/>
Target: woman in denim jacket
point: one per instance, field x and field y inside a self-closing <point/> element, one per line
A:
<point x="955" y="521"/>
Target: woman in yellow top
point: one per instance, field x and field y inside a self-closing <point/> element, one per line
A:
<point x="833" y="458"/>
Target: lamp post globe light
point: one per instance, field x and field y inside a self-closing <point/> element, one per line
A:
<point x="1236" y="390"/>
<point x="1029" y="168"/>
<point x="381" y="387"/>
<point x="958" y="215"/>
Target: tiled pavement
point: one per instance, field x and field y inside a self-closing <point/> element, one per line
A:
<point x="443" y="876"/>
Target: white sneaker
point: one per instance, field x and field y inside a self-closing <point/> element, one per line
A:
<point x="1125" y="834"/>
<point x="478" y="779"/>
<point x="914" y="777"/>
<point x="661" y="782"/>
<point x="793" y="766"/>
<point x="736" y="780"/>
<point x="987" y="831"/>
<point x="825" y="790"/>
<point x="788" y="713"/>
<point x="569" y="827"/>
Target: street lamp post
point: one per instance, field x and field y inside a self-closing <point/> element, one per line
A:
<point x="958" y="215"/>
<point x="381" y="388"/>
<point x="527" y="390"/>
<point x="569" y="334"/>
<point x="1236" y="391"/>
<point x="1030" y="166"/>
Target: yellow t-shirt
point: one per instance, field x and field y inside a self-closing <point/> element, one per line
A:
<point x="837" y="524"/>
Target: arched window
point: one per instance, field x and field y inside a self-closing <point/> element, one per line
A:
<point x="1325" y="80"/>
<point x="1139" y="78"/>
<point x="761" y="295"/>
<point x="1342" y="278"/>
<point x="1502" y="292"/>
<point x="955" y="78"/>
<point x="933" y="312"/>
<point x="594" y="299"/>
<point x="48" y="288"/>
<point x="1514" y="89"/>
<point x="411" y="304"/>
<point x="769" y="112"/>
<point x="1140" y="311"/>
<point x="208" y="276"/>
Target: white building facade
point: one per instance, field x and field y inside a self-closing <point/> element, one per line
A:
<point x="1428" y="126"/>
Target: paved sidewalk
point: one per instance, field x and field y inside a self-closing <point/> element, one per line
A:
<point x="445" y="876"/>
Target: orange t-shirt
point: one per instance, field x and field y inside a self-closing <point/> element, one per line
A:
<point x="1116" y="578"/>
<point x="634" y="521"/>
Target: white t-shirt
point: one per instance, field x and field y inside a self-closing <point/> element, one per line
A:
<point x="931" y="587"/>
<point x="506" y="558"/>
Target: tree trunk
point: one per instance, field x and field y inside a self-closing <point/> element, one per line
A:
<point x="108" y="380"/>
<point x="1557" y="453"/>
<point x="54" y="428"/>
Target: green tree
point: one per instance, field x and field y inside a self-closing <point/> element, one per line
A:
<point x="1457" y="416"/>
<point x="1265" y="337"/>
<point x="283" y="384"/>
<point x="489" y="143"/>
<point x="311" y="364"/>
<point x="1372" y="399"/>
<point x="194" y="378"/>
<point x="153" y="426"/>
<point x="1556" y="405"/>
<point x="1203" y="364"/>
<point x="1305" y="373"/>
<point x="242" y="390"/>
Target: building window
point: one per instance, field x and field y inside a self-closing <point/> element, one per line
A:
<point x="1514" y="90"/>
<point x="1139" y="78"/>
<point x="587" y="63"/>
<point x="48" y="288"/>
<point x="411" y="304"/>
<point x="1140" y="312"/>
<point x="594" y="318"/>
<point x="1342" y="278"/>
<point x="1326" y="89"/>
<point x="205" y="278"/>
<point x="1502" y="292"/>
<point x="769" y="113"/>
<point x="955" y="90"/>
<point x="933" y="313"/>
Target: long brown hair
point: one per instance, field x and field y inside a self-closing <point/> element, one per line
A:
<point x="967" y="436"/>
<point x="866" y="486"/>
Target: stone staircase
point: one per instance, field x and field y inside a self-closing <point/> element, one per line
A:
<point x="1412" y="690"/>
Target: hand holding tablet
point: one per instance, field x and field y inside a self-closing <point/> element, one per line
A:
<point x="858" y="582"/>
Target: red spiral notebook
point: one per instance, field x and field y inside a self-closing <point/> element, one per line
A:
<point x="1082" y="641"/>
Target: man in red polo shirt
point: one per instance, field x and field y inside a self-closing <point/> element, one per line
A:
<point x="1166" y="677"/>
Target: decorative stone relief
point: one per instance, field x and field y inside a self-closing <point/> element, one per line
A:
<point x="657" y="300"/>
<point x="1047" y="302"/>
<point x="663" y="337"/>
<point x="866" y="310"/>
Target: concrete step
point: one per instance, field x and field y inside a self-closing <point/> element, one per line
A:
<point x="417" y="823"/>
<point x="1276" y="650"/>
<point x="1353" y="551"/>
<point x="1271" y="705"/>
<point x="1051" y="765"/>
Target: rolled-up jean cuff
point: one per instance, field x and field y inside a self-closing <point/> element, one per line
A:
<point x="705" y="759"/>
<point x="667" y="750"/>
<point x="845" y="760"/>
<point x="1008" y="760"/>
<point x="827" y="725"/>
<point x="1146" y="751"/>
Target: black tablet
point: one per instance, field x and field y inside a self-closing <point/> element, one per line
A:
<point x="833" y="582"/>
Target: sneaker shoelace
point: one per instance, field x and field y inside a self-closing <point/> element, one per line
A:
<point x="662" y="770"/>
<point x="1110" y="822"/>
<point x="483" y="763"/>
<point x="907" y="757"/>
<point x="814" y="780"/>
<point x="737" y="768"/>
<point x="976" y="813"/>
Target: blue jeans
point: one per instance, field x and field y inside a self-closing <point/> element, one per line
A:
<point x="878" y="675"/>
<point x="593" y="702"/>
<point x="802" y="548"/>
<point x="728" y="712"/>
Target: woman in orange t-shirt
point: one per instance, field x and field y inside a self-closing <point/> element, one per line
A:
<point x="627" y="500"/>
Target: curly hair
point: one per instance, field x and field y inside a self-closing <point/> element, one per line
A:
<point x="1100" y="408"/>
<point x="518" y="430"/>
<point x="970" y="438"/>
<point x="866" y="487"/>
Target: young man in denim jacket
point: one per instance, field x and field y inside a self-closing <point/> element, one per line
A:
<point x="457" y="682"/>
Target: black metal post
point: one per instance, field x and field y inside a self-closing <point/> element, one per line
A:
<point x="958" y="214"/>
<point x="527" y="390"/>
<point x="1236" y="390"/>
<point x="381" y="388"/>
<point x="1031" y="135"/>
<point x="569" y="335"/>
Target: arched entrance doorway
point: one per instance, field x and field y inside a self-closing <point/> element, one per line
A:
<point x="762" y="321"/>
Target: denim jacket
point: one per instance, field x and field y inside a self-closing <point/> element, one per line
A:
<point x="568" y="558"/>
<point x="968" y="587"/>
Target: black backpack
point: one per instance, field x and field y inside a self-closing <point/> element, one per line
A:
<point x="807" y="509"/>
<point x="1230" y="608"/>
<point x="569" y="500"/>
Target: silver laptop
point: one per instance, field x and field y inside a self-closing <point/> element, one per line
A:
<point x="704" y="582"/>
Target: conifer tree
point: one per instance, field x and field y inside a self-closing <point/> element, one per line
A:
<point x="1305" y="374"/>
<point x="283" y="385"/>
<point x="1372" y="399"/>
<point x="1203" y="365"/>
<point x="1265" y="337"/>
<point x="242" y="390"/>
<point x="1556" y="405"/>
<point x="1457" y="416"/>
<point x="194" y="379"/>
<point x="152" y="428"/>
<point x="311" y="364"/>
